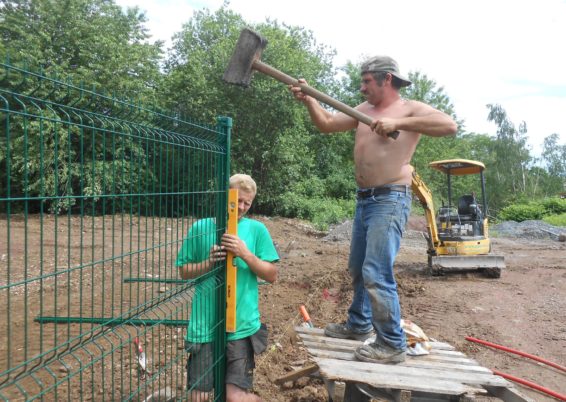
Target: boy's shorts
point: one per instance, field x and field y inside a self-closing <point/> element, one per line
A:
<point x="200" y="369"/>
<point x="240" y="358"/>
<point x="240" y="361"/>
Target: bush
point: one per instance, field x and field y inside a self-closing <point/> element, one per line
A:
<point x="533" y="210"/>
<point x="321" y="211"/>
<point x="554" y="206"/>
<point x="555" y="220"/>
<point x="521" y="212"/>
<point x="328" y="211"/>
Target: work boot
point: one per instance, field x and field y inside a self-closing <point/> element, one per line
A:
<point x="378" y="353"/>
<point x="342" y="331"/>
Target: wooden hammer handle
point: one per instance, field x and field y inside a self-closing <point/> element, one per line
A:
<point x="321" y="96"/>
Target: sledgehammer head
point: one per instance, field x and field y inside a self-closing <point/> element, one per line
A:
<point x="249" y="47"/>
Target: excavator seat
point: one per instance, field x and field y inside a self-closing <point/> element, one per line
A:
<point x="468" y="208"/>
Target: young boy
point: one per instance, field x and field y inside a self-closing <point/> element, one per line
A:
<point x="256" y="256"/>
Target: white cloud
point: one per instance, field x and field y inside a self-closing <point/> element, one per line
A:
<point x="481" y="51"/>
<point x="165" y="17"/>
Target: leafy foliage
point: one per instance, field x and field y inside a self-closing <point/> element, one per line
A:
<point x="554" y="156"/>
<point x="521" y="212"/>
<point x="99" y="47"/>
<point x="56" y="149"/>
<point x="554" y="206"/>
<point x="555" y="220"/>
<point x="534" y="210"/>
<point x="92" y="41"/>
<point x="511" y="155"/>
<point x="272" y="139"/>
<point x="321" y="211"/>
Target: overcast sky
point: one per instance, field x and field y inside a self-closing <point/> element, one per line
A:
<point x="509" y="52"/>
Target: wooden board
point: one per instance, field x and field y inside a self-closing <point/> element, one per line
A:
<point x="444" y="372"/>
<point x="292" y="376"/>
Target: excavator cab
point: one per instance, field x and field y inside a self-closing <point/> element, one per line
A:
<point x="458" y="234"/>
<point x="466" y="219"/>
<point x="466" y="222"/>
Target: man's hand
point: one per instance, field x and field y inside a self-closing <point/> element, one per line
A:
<point x="384" y="126"/>
<point x="297" y="92"/>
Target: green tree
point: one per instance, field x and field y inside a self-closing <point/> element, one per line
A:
<point x="512" y="158"/>
<point x="430" y="149"/>
<point x="272" y="135"/>
<point x="554" y="157"/>
<point x="60" y="44"/>
<point x="87" y="40"/>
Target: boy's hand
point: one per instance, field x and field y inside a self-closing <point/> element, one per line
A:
<point x="217" y="253"/>
<point x="235" y="245"/>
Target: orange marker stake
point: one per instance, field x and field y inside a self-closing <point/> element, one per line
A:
<point x="306" y="316"/>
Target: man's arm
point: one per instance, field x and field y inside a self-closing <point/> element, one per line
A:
<point x="422" y="118"/>
<point x="324" y="120"/>
<point x="263" y="269"/>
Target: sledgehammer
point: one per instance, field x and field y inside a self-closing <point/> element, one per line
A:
<point x="246" y="58"/>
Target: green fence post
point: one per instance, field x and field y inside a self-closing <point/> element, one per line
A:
<point x="224" y="128"/>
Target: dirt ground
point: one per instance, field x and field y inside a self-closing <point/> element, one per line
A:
<point x="525" y="309"/>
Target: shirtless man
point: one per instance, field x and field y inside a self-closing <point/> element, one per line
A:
<point x="383" y="175"/>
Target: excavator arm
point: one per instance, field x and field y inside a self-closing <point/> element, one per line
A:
<point x="422" y="192"/>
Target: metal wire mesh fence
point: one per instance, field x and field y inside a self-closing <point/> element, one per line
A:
<point x="96" y="198"/>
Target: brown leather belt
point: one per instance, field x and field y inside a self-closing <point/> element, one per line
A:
<point x="383" y="190"/>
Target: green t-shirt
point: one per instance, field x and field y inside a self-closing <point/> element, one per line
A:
<point x="196" y="248"/>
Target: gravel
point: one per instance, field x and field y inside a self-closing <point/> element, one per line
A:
<point x="531" y="230"/>
<point x="340" y="232"/>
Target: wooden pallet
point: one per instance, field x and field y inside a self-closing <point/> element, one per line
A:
<point x="444" y="374"/>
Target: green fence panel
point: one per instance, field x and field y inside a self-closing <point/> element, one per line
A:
<point x="97" y="196"/>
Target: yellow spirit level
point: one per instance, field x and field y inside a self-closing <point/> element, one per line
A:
<point x="231" y="272"/>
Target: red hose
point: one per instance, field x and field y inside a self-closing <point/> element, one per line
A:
<point x="517" y="352"/>
<point x="531" y="384"/>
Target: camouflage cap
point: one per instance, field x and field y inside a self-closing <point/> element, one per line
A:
<point x="386" y="64"/>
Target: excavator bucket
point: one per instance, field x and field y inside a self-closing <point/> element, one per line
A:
<point x="491" y="265"/>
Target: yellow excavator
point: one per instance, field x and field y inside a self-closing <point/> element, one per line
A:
<point x="458" y="235"/>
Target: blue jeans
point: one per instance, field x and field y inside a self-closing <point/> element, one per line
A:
<point x="376" y="238"/>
